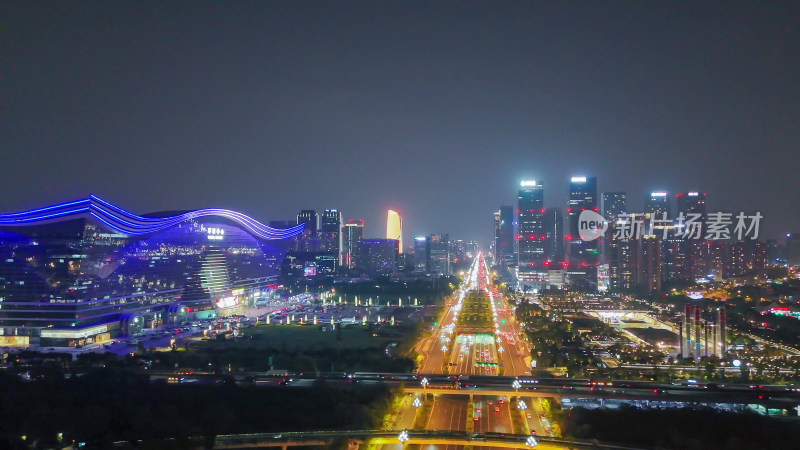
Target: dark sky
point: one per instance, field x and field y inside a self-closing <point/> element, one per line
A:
<point x="436" y="109"/>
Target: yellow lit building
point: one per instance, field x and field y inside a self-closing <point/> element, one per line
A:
<point x="394" y="227"/>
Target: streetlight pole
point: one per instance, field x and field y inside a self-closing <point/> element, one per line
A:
<point x="403" y="438"/>
<point x="516" y="387"/>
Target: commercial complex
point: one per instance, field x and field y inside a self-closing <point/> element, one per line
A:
<point x="85" y="271"/>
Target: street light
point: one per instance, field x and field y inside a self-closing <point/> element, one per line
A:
<point x="531" y="442"/>
<point x="516" y="387"/>
<point x="403" y="438"/>
<point x="521" y="405"/>
<point x="416" y="403"/>
<point x="424" y="382"/>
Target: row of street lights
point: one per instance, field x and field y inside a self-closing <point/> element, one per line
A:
<point x="530" y="442"/>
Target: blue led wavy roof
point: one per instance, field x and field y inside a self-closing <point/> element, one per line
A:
<point x="131" y="224"/>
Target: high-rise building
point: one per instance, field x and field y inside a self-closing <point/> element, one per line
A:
<point x="717" y="259"/>
<point x="634" y="263"/>
<point x="330" y="233"/>
<point x="505" y="235"/>
<point x="649" y="263"/>
<point x="421" y="254"/>
<point x="692" y="258"/>
<point x="692" y="202"/>
<point x="793" y="249"/>
<point x="309" y="240"/>
<point x="621" y="264"/>
<point x="614" y="204"/>
<point x="458" y="251"/>
<point x="758" y="259"/>
<point x="773" y="251"/>
<point x="532" y="237"/>
<point x="583" y="256"/>
<point x="657" y="203"/>
<point x="496" y="240"/>
<point x="472" y="249"/>
<point x="554" y="237"/>
<point x="376" y="256"/>
<point x="394" y="227"/>
<point x="439" y="255"/>
<point x="352" y="232"/>
<point x="310" y="219"/>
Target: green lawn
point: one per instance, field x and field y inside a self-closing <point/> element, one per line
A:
<point x="476" y="312"/>
<point x="308" y="336"/>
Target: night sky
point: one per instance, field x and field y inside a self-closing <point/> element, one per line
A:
<point x="437" y="109"/>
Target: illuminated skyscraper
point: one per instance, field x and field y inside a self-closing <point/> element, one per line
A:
<point x="658" y="214"/>
<point x="394" y="227"/>
<point x="421" y="254"/>
<point x="376" y="256"/>
<point x="614" y="204"/>
<point x="532" y="236"/>
<point x="309" y="240"/>
<point x="352" y="232"/>
<point x="583" y="256"/>
<point x="505" y="235"/>
<point x="554" y="241"/>
<point x="693" y="256"/>
<point x="496" y="241"/>
<point x="330" y="233"/>
<point x="310" y="219"/>
<point x="657" y="203"/>
<point x="439" y="255"/>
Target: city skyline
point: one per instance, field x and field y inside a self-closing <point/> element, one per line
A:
<point x="399" y="225"/>
<point x="675" y="98"/>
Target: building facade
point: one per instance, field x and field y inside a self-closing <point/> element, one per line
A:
<point x="85" y="271"/>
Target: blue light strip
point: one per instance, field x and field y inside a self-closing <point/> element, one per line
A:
<point x="131" y="224"/>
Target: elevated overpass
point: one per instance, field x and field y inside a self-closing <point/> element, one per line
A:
<point x="383" y="437"/>
<point x="784" y="397"/>
<point x="697" y="395"/>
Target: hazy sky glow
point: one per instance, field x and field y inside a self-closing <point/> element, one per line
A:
<point x="436" y="110"/>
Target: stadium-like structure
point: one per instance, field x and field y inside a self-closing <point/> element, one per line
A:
<point x="85" y="271"/>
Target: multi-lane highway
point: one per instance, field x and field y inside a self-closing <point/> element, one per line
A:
<point x="490" y="343"/>
<point x="499" y="348"/>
